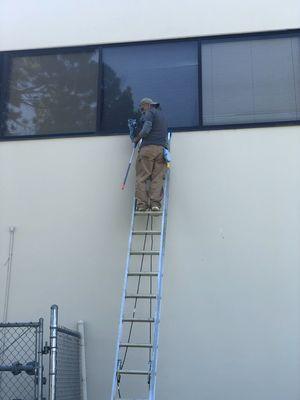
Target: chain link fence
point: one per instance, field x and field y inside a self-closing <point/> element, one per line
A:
<point x="21" y="361"/>
<point x="21" y="367"/>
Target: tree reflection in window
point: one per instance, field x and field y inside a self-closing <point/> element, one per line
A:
<point x="119" y="104"/>
<point x="166" y="72"/>
<point x="52" y="94"/>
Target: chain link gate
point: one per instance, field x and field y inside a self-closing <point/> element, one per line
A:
<point x="21" y="361"/>
<point x="64" y="368"/>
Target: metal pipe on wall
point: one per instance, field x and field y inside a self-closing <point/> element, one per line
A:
<point x="12" y="230"/>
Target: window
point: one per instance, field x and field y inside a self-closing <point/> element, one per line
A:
<point x="251" y="81"/>
<point x="166" y="72"/>
<point x="51" y="94"/>
<point x="1" y="91"/>
<point x="244" y="80"/>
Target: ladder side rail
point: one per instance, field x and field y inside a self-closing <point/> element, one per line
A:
<point x="120" y="329"/>
<point x="153" y="371"/>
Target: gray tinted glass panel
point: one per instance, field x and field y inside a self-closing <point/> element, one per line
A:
<point x="51" y="94"/>
<point x="167" y="73"/>
<point x="251" y="81"/>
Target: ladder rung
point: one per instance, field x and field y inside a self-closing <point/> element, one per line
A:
<point x="138" y="345"/>
<point x="146" y="232"/>
<point x="148" y="213"/>
<point x="142" y="273"/>
<point x="140" y="296"/>
<point x="144" y="252"/>
<point x="132" y="372"/>
<point x="150" y="320"/>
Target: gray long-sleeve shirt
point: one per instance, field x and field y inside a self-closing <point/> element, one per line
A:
<point x="155" y="129"/>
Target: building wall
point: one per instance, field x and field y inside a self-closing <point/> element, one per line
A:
<point x="230" y="318"/>
<point x="55" y="23"/>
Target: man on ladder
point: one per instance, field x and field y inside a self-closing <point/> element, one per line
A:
<point x="144" y="268"/>
<point x="150" y="163"/>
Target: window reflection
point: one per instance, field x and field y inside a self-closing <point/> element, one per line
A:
<point x="166" y="72"/>
<point x="119" y="103"/>
<point x="51" y="94"/>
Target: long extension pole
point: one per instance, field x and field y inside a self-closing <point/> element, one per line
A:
<point x="130" y="162"/>
<point x="128" y="168"/>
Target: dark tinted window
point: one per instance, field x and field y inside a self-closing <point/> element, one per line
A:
<point x="251" y="81"/>
<point x="1" y="91"/>
<point x="49" y="94"/>
<point x="166" y="72"/>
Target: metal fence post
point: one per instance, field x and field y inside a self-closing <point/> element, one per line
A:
<point x="53" y="352"/>
<point x="40" y="358"/>
<point x="80" y="326"/>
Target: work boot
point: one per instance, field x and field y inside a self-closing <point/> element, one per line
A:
<point x="155" y="208"/>
<point x="141" y="207"/>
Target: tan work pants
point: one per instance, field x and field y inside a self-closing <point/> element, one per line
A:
<point x="150" y="164"/>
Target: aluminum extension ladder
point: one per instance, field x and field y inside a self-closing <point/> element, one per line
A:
<point x="135" y="368"/>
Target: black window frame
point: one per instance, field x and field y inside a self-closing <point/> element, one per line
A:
<point x="131" y="44"/>
<point x="248" y="37"/>
<point x="6" y="56"/>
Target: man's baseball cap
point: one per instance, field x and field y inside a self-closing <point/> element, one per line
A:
<point x="147" y="100"/>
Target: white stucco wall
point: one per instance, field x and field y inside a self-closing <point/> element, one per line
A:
<point x="34" y="24"/>
<point x="230" y="322"/>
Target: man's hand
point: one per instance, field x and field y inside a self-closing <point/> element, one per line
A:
<point x="137" y="139"/>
